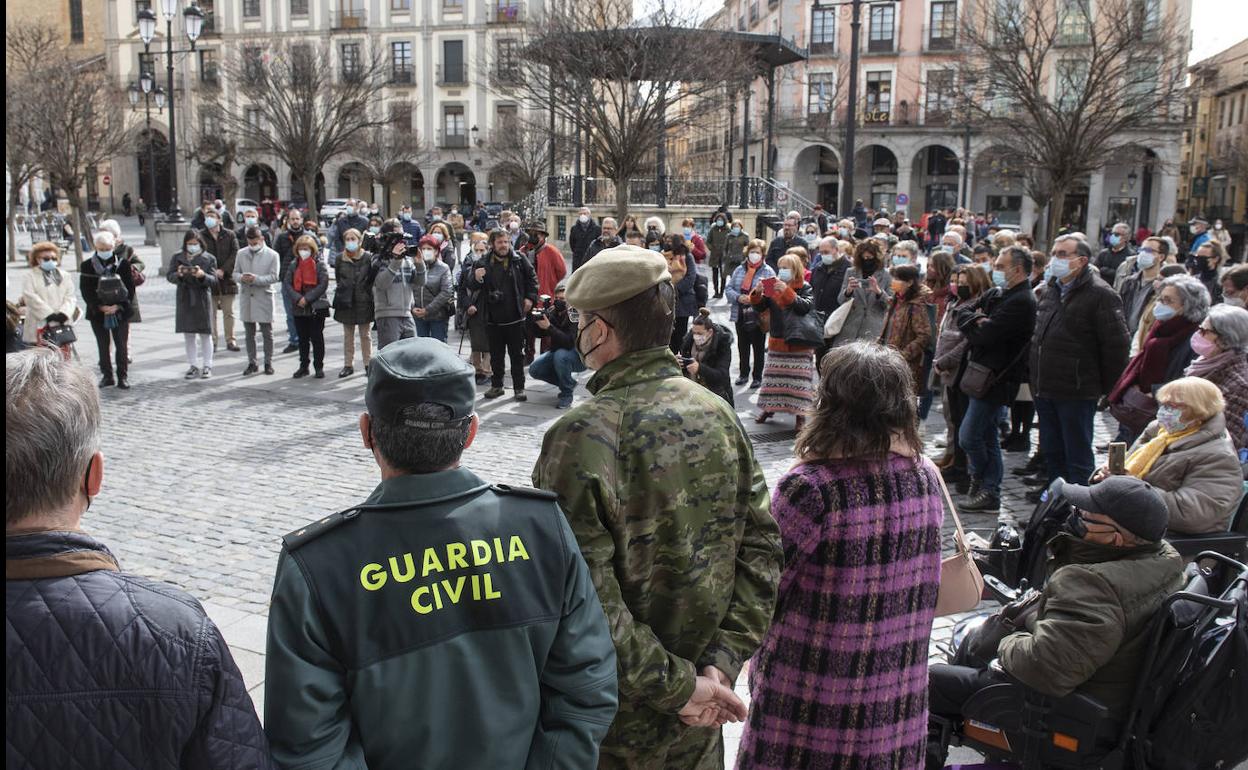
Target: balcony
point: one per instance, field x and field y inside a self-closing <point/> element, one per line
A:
<point x="210" y="28"/>
<point x="452" y="141"/>
<point x="402" y="76"/>
<point x="504" y="12"/>
<point x="452" y="76"/>
<point x="348" y="19"/>
<point x="881" y="46"/>
<point x="505" y="74"/>
<point x="939" y="40"/>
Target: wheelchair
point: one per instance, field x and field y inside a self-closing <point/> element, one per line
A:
<point x="1011" y="723"/>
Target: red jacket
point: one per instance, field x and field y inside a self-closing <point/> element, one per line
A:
<point x="551" y="268"/>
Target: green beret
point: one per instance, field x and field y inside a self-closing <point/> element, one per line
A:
<point x="614" y="275"/>
<point x="419" y="370"/>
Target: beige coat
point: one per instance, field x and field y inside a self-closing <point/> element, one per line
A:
<point x="1199" y="476"/>
<point x="42" y="299"/>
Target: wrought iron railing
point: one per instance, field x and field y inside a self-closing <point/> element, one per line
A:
<point x="753" y="192"/>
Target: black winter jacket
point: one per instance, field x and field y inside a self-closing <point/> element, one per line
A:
<point x="713" y="371"/>
<point x="580" y="238"/>
<point x="1000" y="343"/>
<point x="522" y="286"/>
<point x="803" y="301"/>
<point x="107" y="669"/>
<point x="827" y="280"/>
<point x="1081" y="343"/>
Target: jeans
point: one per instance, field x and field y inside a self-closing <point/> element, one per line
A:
<point x="266" y="333"/>
<point x="1066" y="437"/>
<point x="978" y="437"/>
<point x="558" y="367"/>
<point x="747" y="341"/>
<point x="507" y="342"/>
<point x="292" y="333"/>
<point x="311" y="331"/>
<point x="435" y="329"/>
<point x="120" y="335"/>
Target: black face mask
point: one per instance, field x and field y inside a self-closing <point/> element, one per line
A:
<point x="964" y="293"/>
<point x="561" y="306"/>
<point x="870" y="265"/>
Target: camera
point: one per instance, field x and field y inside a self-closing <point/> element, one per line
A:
<point x="684" y="362"/>
<point x="544" y="303"/>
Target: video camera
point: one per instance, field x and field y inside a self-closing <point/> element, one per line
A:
<point x="386" y="243"/>
<point x="544" y="302"/>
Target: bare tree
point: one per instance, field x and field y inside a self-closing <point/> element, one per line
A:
<point x="519" y="149"/>
<point x="80" y="127"/>
<point x="300" y="106"/>
<point x="217" y="150"/>
<point x="26" y="45"/>
<point x="1063" y="87"/>
<point x="597" y="69"/>
<point x="385" y="151"/>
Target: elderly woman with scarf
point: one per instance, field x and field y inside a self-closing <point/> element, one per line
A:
<point x="1182" y="304"/>
<point x="706" y="355"/>
<point x="748" y="319"/>
<point x="1222" y="344"/>
<point x="1187" y="455"/>
<point x="789" y="374"/>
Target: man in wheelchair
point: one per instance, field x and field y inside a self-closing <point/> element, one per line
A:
<point x="1110" y="571"/>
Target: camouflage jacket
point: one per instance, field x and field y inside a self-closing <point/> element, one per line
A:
<point x="660" y="485"/>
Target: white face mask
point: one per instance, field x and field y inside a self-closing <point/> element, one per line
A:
<point x="428" y="254"/>
<point x="305" y="253"/>
<point x="755" y="257"/>
<point x="583" y="218"/>
<point x="701" y="339"/>
<point x="437" y="237"/>
<point x="256" y="247"/>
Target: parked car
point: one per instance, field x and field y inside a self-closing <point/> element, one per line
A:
<point x="332" y="208"/>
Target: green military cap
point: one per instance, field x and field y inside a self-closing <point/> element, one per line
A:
<point x="420" y="370"/>
<point x="614" y="275"/>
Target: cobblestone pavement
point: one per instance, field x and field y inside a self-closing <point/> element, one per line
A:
<point x="204" y="477"/>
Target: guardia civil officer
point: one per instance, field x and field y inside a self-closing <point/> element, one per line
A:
<point x="444" y="622"/>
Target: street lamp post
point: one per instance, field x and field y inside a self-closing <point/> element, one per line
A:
<point x="194" y="19"/>
<point x="145" y="88"/>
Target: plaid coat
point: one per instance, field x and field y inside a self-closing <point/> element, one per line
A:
<point x="841" y="678"/>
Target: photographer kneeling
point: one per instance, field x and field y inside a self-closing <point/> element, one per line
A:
<point x="706" y="355"/>
<point x="559" y="364"/>
<point x="1111" y="570"/>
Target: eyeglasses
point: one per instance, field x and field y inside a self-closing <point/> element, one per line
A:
<point x="1168" y="301"/>
<point x="1206" y="332"/>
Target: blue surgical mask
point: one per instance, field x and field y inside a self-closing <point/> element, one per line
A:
<point x="251" y="221"/>
<point x="688" y="232"/>
<point x="105" y="255"/>
<point x="406" y="217"/>
<point x="1115" y="239"/>
<point x="1171" y="418"/>
<point x="736" y="230"/>
<point x="1060" y="268"/>
<point x="374" y="230"/>
<point x="1145" y="260"/>
<point x="210" y="222"/>
<point x="998" y="278"/>
<point x="352" y="245"/>
<point x="785" y="274"/>
<point x="1163" y="312"/>
<point x="193" y="248"/>
<point x="899" y="260"/>
<point x="47" y="264"/>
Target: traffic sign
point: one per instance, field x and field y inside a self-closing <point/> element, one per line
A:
<point x="107" y="180"/>
<point x="782" y="196"/>
<point x="902" y="199"/>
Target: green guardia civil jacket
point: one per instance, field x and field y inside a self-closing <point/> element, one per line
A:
<point x="660" y="484"/>
<point x="445" y="623"/>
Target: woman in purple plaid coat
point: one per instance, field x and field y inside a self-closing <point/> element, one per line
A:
<point x="841" y="678"/>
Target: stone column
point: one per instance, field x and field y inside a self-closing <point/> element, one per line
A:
<point x="903" y="184"/>
<point x="1165" y="194"/>
<point x="1096" y="208"/>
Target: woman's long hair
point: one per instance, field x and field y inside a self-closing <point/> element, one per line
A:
<point x="864" y="404"/>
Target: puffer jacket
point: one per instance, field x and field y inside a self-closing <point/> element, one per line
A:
<point x="106" y="669"/>
<point x="353" y="294"/>
<point x="1089" y="633"/>
<point x="1199" y="476"/>
<point x="432" y="290"/>
<point x="1080" y="345"/>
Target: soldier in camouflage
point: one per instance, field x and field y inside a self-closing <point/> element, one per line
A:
<point x="661" y="488"/>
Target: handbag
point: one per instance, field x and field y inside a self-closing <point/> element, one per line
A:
<point x="978" y="379"/>
<point x="320" y="306"/>
<point x="111" y="290"/>
<point x="137" y="276"/>
<point x="1136" y="409"/>
<point x="961" y="585"/>
<point x="836" y="319"/>
<point x="804" y="330"/>
<point x="747" y="316"/>
<point x="59" y="335"/>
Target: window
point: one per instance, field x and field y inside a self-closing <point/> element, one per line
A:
<point x="147" y="64"/>
<point x="253" y="64"/>
<point x="254" y="117"/>
<point x="883" y="25"/>
<point x="251" y="9"/>
<point x="1007" y="21"/>
<point x="208" y="67"/>
<point x="753" y="11"/>
<point x="350" y="55"/>
<point x="453" y="5"/>
<point x="301" y="61"/>
<point x="210" y="16"/>
<point x="453" y="62"/>
<point x="400" y="5"/>
<point x="938" y="97"/>
<point x="76" y="28"/>
<point x="209" y="123"/>
<point x="401" y="61"/>
<point x="823" y="30"/>
<point x="1150" y="16"/>
<point x="508" y="59"/>
<point x="401" y="117"/>
<point x="943" y="25"/>
<point x="141" y="5"/>
<point x="1072" y="75"/>
<point x="821" y="93"/>
<point x="879" y="96"/>
<point x="741" y="23"/>
<point x="453" y="133"/>
<point x="1075" y="18"/>
<point x="298" y="7"/>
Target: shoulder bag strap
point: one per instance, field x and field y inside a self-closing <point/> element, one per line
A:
<point x="959" y="536"/>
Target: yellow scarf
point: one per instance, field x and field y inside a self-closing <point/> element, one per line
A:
<point x="1140" y="462"/>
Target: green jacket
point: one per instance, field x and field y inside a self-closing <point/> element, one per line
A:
<point x="445" y="623"/>
<point x="659" y="482"/>
<point x="1090" y="631"/>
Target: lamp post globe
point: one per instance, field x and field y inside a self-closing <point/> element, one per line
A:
<point x="160" y="97"/>
<point x="147" y="26"/>
<point x="132" y="93"/>
<point x="194" y="22"/>
<point x="145" y="81"/>
<point x="169" y="9"/>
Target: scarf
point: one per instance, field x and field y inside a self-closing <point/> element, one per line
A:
<point x="51" y="277"/>
<point x="748" y="281"/>
<point x="1149" y="367"/>
<point x="1140" y="462"/>
<point x="1203" y="367"/>
<point x="700" y="351"/>
<point x="305" y="275"/>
